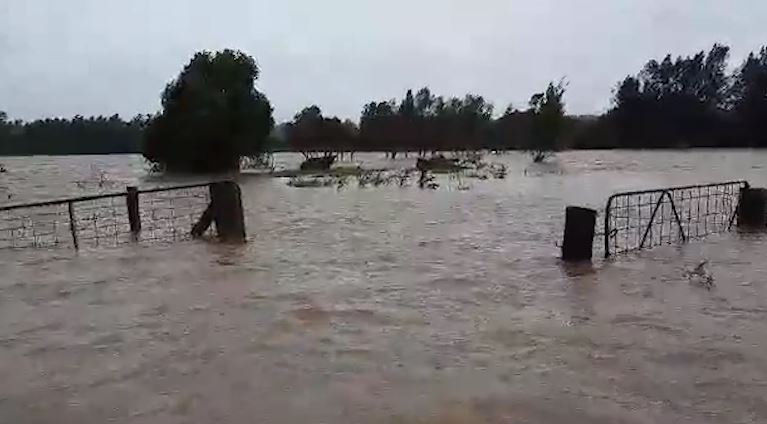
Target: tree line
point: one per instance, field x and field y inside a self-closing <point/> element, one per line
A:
<point x="689" y="101"/>
<point x="212" y="115"/>
<point x="78" y="135"/>
<point x="424" y="122"/>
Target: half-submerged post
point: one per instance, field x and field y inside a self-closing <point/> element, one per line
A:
<point x="225" y="210"/>
<point x="578" y="242"/>
<point x="752" y="208"/>
<point x="134" y="217"/>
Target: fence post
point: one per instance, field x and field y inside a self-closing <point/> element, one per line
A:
<point x="579" y="233"/>
<point x="134" y="217"/>
<point x="226" y="205"/>
<point x="73" y="224"/>
<point x="752" y="208"/>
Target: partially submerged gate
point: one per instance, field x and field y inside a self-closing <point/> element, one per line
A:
<point x="642" y="219"/>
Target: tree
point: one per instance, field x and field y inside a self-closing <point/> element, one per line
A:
<point x="310" y="133"/>
<point x="548" y="121"/>
<point x="79" y="135"/>
<point x="377" y="130"/>
<point x="749" y="99"/>
<point x="675" y="102"/>
<point x="304" y="133"/>
<point x="424" y="101"/>
<point x="309" y="114"/>
<point x="407" y="107"/>
<point x="512" y="130"/>
<point x="212" y="115"/>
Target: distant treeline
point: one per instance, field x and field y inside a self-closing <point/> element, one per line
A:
<point x="426" y="123"/>
<point x="673" y="102"/>
<point x="79" y="135"/>
<point x="686" y="102"/>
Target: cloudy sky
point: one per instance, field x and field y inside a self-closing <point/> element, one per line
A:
<point x="66" y="57"/>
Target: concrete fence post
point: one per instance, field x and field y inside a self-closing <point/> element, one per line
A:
<point x="752" y="208"/>
<point x="578" y="241"/>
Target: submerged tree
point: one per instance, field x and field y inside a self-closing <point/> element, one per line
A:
<point x="548" y="121"/>
<point x="212" y="116"/>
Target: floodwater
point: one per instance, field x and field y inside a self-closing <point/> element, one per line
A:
<point x="388" y="305"/>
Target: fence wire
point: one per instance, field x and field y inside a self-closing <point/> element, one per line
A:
<point x="39" y="227"/>
<point x="167" y="215"/>
<point x="644" y="219"/>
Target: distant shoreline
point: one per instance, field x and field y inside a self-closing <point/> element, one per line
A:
<point x="695" y="148"/>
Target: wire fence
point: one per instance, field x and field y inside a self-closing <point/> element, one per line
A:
<point x="165" y="215"/>
<point x="650" y="218"/>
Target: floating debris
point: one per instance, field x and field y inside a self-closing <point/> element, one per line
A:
<point x="302" y="182"/>
<point x="700" y="276"/>
<point x="467" y="166"/>
<point x="426" y="180"/>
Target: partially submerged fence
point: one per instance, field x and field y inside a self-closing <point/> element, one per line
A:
<point x="161" y="215"/>
<point x="643" y="219"/>
<point x="648" y="218"/>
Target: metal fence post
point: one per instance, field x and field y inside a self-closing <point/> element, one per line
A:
<point x="607" y="229"/>
<point x="134" y="216"/>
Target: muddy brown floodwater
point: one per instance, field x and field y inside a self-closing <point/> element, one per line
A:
<point x="388" y="305"/>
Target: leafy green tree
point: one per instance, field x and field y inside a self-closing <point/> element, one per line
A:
<point x="548" y="121"/>
<point x="212" y="115"/>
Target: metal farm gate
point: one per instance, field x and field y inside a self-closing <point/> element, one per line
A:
<point x="642" y="219"/>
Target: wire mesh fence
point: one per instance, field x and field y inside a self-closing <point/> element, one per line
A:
<point x="40" y="226"/>
<point x="644" y="219"/>
<point x="166" y="215"/>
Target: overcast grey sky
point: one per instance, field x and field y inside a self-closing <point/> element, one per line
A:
<point x="66" y="57"/>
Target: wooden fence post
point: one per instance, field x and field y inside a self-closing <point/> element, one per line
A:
<point x="134" y="217"/>
<point x="752" y="208"/>
<point x="579" y="234"/>
<point x="202" y="225"/>
<point x="73" y="224"/>
<point x="226" y="207"/>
